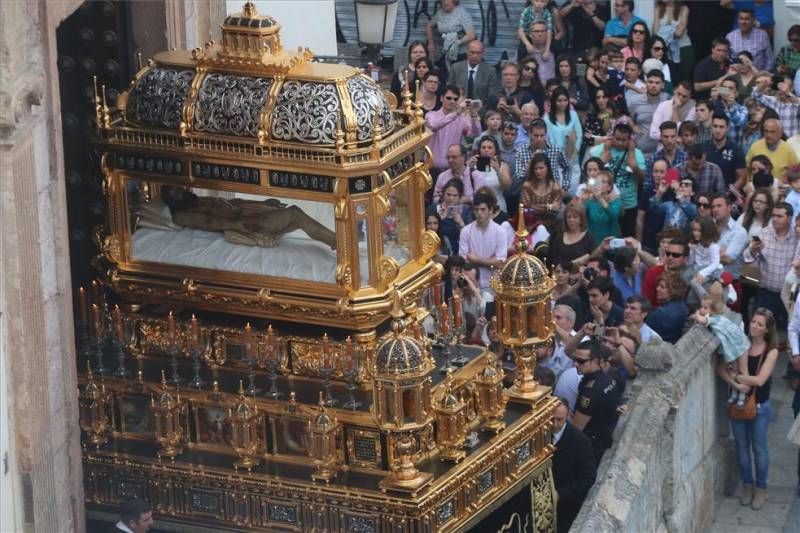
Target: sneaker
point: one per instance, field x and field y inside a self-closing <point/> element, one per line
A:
<point x="740" y="404"/>
<point x="731" y="398"/>
<point x="759" y="497"/>
<point x="746" y="497"/>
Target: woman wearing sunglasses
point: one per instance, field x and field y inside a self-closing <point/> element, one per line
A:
<point x="659" y="51"/>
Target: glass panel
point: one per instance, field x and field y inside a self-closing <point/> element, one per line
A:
<point x="363" y="252"/>
<point x="249" y="234"/>
<point x="395" y="225"/>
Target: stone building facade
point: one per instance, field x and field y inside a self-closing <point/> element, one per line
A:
<point x="41" y="478"/>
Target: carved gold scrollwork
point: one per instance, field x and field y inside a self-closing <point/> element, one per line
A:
<point x="112" y="249"/>
<point x="543" y="500"/>
<point x="388" y="270"/>
<point x="424" y="180"/>
<point x="430" y="244"/>
<point x="264" y="295"/>
<point x="189" y="286"/>
<point x="344" y="276"/>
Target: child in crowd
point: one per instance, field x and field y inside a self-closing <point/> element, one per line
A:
<point x="589" y="179"/>
<point x="793" y="197"/>
<point x="678" y="207"/>
<point x="733" y="341"/>
<point x="535" y="11"/>
<point x="596" y="70"/>
<point x="615" y="84"/>
<point x="704" y="254"/>
<point x="688" y="133"/>
<point x="493" y="121"/>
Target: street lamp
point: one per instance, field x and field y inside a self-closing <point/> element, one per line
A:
<point x="375" y="21"/>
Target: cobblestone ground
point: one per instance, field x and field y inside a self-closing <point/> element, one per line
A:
<point x="781" y="513"/>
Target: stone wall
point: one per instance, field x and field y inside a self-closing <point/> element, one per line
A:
<point x="672" y="457"/>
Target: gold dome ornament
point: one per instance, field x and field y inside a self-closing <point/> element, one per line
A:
<point x="170" y="420"/>
<point x="451" y="423"/>
<point x="96" y="410"/>
<point x="247" y="430"/>
<point x="491" y="395"/>
<point x="324" y="437"/>
<point x="523" y="290"/>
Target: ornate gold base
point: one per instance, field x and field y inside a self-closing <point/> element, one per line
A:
<point x="170" y="452"/>
<point x="452" y="454"/>
<point x="324" y="474"/>
<point x="410" y="486"/>
<point x="246" y="463"/>
<point x="495" y="425"/>
<point x="528" y="396"/>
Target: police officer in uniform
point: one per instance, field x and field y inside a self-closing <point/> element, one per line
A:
<point x="598" y="396"/>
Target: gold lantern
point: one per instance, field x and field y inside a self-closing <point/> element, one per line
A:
<point x="401" y="400"/>
<point x="491" y="397"/>
<point x="247" y="425"/>
<point x="524" y="318"/>
<point x="324" y="435"/>
<point x="451" y="423"/>
<point x="169" y="415"/>
<point x="95" y="410"/>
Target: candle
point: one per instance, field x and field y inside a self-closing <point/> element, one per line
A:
<point x="416" y="331"/>
<point x="171" y="328"/>
<point x="96" y="320"/>
<point x="444" y="325"/>
<point x="195" y="328"/>
<point x="349" y="353"/>
<point x="437" y="294"/>
<point x="271" y="346"/>
<point x="118" y="332"/>
<point x="326" y="350"/>
<point x="83" y="308"/>
<point x="95" y="292"/>
<point x="248" y="340"/>
<point x="457" y="310"/>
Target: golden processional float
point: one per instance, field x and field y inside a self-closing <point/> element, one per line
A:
<point x="254" y="349"/>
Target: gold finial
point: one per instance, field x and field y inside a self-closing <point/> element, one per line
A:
<point x="249" y="10"/>
<point x="163" y="380"/>
<point x="106" y="115"/>
<point x="140" y="376"/>
<point x="241" y="388"/>
<point x="89" y="374"/>
<point x="322" y="401"/>
<point x="139" y="60"/>
<point x="396" y="311"/>
<point x="522" y="232"/>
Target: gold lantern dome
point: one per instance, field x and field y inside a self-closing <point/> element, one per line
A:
<point x="399" y="353"/>
<point x="524" y="276"/>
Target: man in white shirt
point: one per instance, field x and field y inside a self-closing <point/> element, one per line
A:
<point x="483" y="242"/>
<point x="678" y="109"/>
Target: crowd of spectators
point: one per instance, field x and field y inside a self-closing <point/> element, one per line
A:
<point x="657" y="177"/>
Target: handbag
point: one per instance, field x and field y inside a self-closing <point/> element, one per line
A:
<point x="751" y="274"/>
<point x="748" y="412"/>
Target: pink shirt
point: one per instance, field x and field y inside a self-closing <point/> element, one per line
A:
<point x="472" y="182"/>
<point x="488" y="242"/>
<point x="448" y="129"/>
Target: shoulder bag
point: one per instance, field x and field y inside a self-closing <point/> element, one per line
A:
<point x="748" y="412"/>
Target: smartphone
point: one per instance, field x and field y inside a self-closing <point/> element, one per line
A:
<point x="452" y="210"/>
<point x="723" y="91"/>
<point x="617" y="243"/>
<point x="591" y="182"/>
<point x="777" y="80"/>
<point x="482" y="164"/>
<point x="475" y="105"/>
<point x="672" y="176"/>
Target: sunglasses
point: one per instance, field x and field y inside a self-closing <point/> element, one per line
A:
<point x="580" y="362"/>
<point x="658" y="48"/>
<point x="451" y="98"/>
<point x="529" y="68"/>
<point x="704" y="205"/>
<point x="674" y="255"/>
<point x="638" y="31"/>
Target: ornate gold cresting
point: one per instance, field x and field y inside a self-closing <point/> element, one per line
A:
<point x="247" y="431"/>
<point x="95" y="410"/>
<point x="491" y="395"/>
<point x="324" y="437"/>
<point x="169" y="415"/>
<point x="451" y="423"/>
<point x="524" y="320"/>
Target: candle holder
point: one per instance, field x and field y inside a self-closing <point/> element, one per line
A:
<point x="275" y="351"/>
<point x="445" y="337"/>
<point x="198" y="351"/>
<point x="351" y="371"/>
<point x="326" y="370"/>
<point x="99" y="338"/>
<point x="175" y="377"/>
<point x="125" y="345"/>
<point x="458" y="335"/>
<point x="250" y="359"/>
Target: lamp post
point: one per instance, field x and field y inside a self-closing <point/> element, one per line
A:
<point x="375" y="20"/>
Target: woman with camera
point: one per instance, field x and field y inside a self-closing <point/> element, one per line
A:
<point x="464" y="283"/>
<point x="453" y="213"/>
<point x="495" y="173"/>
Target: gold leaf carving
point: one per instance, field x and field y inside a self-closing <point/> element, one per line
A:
<point x="430" y="244"/>
<point x="388" y="270"/>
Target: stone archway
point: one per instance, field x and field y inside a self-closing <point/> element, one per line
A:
<point x="41" y="477"/>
